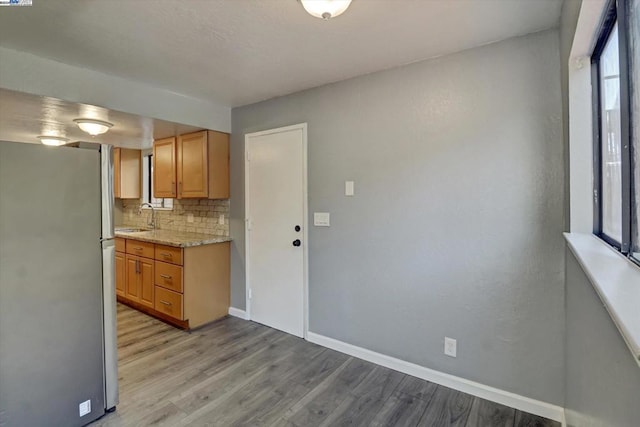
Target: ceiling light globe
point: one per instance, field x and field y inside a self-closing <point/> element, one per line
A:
<point x="93" y="127"/>
<point x="325" y="9"/>
<point x="54" y="141"/>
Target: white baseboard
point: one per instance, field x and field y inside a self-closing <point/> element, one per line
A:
<point x="522" y="403"/>
<point x="236" y="312"/>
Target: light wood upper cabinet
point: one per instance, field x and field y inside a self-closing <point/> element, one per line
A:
<point x="127" y="167"/>
<point x="164" y="168"/>
<point x="116" y="173"/>
<point x="192" y="165"/>
<point x="218" y="144"/>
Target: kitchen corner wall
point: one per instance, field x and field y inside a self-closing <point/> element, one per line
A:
<point x="206" y="215"/>
<point x="456" y="225"/>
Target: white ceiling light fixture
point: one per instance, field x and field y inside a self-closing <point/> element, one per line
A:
<point x="93" y="126"/>
<point x="53" y="140"/>
<point x="325" y="9"/>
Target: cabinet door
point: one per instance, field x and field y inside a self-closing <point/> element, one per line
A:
<point x="218" y="144"/>
<point x="145" y="276"/>
<point x="130" y="172"/>
<point x="132" y="289"/>
<point x="121" y="274"/>
<point x="192" y="166"/>
<point x="116" y="173"/>
<point x="164" y="168"/>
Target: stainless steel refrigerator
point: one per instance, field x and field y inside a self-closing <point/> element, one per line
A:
<point x="58" y="359"/>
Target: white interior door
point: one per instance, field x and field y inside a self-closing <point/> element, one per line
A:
<point x="276" y="227"/>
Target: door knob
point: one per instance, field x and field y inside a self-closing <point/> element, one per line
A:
<point x="297" y="228"/>
<point x="296" y="242"/>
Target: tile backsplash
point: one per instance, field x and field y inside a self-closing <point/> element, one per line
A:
<point x="206" y="216"/>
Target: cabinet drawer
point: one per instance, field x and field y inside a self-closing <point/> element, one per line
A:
<point x="120" y="244"/>
<point x="169" y="276"/>
<point x="136" y="247"/>
<point x="168" y="302"/>
<point x="169" y="254"/>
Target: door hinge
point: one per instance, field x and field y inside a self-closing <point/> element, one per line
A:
<point x="250" y="293"/>
<point x="249" y="224"/>
<point x="247" y="154"/>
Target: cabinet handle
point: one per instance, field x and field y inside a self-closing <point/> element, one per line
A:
<point x="165" y="276"/>
<point x="179" y="187"/>
<point x="137" y="266"/>
<point x="137" y="249"/>
<point x="165" y="302"/>
<point x="166" y="255"/>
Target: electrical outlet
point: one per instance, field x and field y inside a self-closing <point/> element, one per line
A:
<point x="450" y="346"/>
<point x="190" y="217"/>
<point x="84" y="408"/>
<point x="221" y="219"/>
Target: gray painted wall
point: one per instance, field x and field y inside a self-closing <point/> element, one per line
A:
<point x="455" y="228"/>
<point x="602" y="378"/>
<point x="24" y="72"/>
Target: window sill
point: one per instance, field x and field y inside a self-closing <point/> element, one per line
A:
<point x="616" y="280"/>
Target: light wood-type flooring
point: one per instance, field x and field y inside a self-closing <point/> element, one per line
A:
<point x="239" y="373"/>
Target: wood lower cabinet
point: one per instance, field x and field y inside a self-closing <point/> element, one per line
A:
<point x="139" y="277"/>
<point x="121" y="272"/>
<point x="187" y="287"/>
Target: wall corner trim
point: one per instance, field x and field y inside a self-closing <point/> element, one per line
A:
<point x="236" y="312"/>
<point x="522" y="403"/>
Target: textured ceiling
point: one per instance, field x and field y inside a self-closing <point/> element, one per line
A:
<point x="242" y="51"/>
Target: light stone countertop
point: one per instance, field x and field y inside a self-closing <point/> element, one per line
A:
<point x="181" y="239"/>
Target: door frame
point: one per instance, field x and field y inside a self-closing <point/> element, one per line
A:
<point x="305" y="221"/>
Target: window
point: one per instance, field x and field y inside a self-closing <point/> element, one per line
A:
<point x="616" y="107"/>
<point x="633" y="13"/>
<point x="147" y="185"/>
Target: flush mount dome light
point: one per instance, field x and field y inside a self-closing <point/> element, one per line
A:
<point x="55" y="141"/>
<point x="92" y="126"/>
<point x="325" y="9"/>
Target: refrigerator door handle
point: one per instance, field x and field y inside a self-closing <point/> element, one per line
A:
<point x="109" y="324"/>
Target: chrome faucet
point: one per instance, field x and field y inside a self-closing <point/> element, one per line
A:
<point x="152" y="222"/>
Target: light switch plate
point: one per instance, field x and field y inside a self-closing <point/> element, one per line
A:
<point x="321" y="219"/>
<point x="349" y="188"/>
<point x="221" y="219"/>
<point x="190" y="217"/>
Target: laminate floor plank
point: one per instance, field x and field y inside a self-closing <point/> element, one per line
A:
<point x="524" y="419"/>
<point x="367" y="398"/>
<point x="233" y="372"/>
<point x="447" y="407"/>
<point x="400" y="409"/>
<point x="333" y="393"/>
<point x="490" y="414"/>
<point x="265" y="406"/>
<point x="417" y="388"/>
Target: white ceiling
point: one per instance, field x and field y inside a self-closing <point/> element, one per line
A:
<point x="23" y="117"/>
<point x="242" y="51"/>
